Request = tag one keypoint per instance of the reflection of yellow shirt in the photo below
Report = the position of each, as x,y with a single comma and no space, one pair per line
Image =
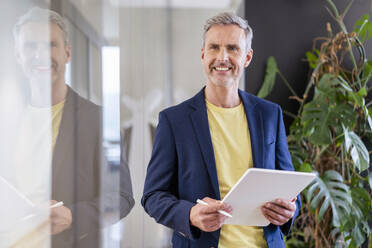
233,154
56,112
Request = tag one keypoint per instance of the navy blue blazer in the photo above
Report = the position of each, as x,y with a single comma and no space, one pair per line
183,168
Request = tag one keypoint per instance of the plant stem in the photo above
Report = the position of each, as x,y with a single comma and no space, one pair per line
286,83
289,114
308,87
343,28
324,148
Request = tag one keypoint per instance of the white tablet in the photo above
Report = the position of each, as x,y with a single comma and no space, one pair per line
258,186
15,207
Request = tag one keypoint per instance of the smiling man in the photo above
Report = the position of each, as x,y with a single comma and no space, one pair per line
70,128
205,144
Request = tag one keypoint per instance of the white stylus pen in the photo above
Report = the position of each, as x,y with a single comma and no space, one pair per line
58,204
220,211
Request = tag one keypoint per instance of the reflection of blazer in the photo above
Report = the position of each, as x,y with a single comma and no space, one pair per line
182,167
76,173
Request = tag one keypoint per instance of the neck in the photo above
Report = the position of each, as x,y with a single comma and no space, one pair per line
46,97
220,96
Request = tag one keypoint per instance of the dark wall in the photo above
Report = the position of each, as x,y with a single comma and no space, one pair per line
285,29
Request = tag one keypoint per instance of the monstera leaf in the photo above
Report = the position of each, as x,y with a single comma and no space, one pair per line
358,152
270,75
318,117
356,223
327,191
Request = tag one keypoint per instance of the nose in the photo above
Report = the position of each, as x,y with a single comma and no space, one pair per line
222,55
41,51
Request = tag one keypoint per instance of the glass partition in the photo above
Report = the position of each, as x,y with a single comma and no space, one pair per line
81,86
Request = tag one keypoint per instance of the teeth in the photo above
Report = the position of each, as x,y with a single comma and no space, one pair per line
222,68
43,67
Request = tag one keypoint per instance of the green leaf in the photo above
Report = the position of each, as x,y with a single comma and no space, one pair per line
270,75
361,200
363,27
306,167
342,115
358,100
367,72
370,180
362,92
315,121
359,152
369,121
318,116
358,237
326,87
312,59
357,221
327,191
297,155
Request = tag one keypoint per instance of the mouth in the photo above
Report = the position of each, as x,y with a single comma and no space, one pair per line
222,68
42,68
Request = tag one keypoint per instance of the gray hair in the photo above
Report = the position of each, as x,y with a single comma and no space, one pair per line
37,14
227,18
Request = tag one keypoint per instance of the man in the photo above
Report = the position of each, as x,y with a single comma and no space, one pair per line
203,145
43,50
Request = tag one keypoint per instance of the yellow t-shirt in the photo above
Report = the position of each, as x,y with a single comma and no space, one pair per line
57,111
232,150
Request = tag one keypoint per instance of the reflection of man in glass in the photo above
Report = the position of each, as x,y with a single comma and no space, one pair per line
43,51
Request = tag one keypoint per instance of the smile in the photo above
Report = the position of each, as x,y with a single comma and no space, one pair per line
221,68
42,68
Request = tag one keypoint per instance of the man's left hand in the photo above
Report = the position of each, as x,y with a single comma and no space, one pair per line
279,211
60,218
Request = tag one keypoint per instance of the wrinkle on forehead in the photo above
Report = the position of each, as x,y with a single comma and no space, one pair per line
226,35
41,31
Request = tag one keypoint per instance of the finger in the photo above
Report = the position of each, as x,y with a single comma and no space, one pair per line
277,218
227,207
211,208
279,210
271,220
286,204
213,217
294,199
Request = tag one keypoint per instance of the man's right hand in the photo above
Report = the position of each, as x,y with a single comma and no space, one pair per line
206,218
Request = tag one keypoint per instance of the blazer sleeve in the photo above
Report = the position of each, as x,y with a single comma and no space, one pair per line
160,196
283,161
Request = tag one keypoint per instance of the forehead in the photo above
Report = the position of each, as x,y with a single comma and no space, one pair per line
40,31
225,34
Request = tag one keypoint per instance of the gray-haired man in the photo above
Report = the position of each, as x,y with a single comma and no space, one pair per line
43,50
203,145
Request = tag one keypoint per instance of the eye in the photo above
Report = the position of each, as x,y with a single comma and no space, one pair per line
53,44
213,47
232,48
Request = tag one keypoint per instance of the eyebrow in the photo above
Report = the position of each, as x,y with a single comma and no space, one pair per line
233,46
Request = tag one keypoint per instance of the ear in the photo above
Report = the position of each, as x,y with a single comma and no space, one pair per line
248,58
202,53
68,53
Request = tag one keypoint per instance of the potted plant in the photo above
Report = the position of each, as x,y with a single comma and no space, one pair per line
328,136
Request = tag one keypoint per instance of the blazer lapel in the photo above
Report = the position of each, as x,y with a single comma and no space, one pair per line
199,120
63,154
255,125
